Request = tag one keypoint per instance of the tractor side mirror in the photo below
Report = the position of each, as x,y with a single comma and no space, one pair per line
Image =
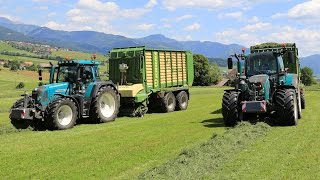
40,74
230,63
291,57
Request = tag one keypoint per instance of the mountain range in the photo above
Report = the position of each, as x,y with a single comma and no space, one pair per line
91,41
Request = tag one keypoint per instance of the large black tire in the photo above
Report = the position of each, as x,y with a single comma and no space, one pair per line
61,114
168,102
100,112
182,101
286,107
303,101
230,108
17,123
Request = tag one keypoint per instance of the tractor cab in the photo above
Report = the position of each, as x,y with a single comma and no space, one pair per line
73,76
269,63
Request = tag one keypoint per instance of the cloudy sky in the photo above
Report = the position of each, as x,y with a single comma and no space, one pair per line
244,22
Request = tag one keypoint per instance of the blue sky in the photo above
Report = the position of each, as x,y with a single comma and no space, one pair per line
245,22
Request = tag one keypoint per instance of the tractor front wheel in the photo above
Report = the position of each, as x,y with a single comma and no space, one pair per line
287,107
230,108
105,106
61,114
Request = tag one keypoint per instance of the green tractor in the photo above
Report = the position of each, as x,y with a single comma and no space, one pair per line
267,85
74,92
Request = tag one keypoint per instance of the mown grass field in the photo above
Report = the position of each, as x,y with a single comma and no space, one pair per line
129,147
121,149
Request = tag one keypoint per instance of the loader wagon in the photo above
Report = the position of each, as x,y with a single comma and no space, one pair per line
151,79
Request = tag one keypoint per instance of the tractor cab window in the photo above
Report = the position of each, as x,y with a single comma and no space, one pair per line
261,64
67,74
87,74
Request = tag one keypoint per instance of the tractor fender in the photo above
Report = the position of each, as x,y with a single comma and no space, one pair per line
291,80
100,84
75,101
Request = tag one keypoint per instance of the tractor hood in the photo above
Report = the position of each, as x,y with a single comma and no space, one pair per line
44,94
58,88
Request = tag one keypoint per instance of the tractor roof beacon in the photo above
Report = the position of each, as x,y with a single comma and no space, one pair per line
75,91
267,85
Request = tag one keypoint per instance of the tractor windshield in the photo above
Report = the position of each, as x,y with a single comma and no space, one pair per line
67,74
261,63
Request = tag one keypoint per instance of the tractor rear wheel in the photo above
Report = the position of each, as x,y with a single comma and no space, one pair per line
61,114
182,101
230,108
168,102
105,106
286,107
17,123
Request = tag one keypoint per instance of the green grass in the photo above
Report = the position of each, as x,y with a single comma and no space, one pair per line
7,47
121,149
286,153
25,59
129,147
201,161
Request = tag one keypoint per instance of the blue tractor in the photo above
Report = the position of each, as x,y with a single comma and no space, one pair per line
265,87
74,92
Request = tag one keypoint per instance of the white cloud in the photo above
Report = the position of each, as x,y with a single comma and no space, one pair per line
307,39
236,15
42,8
181,37
193,27
279,15
145,27
151,4
307,12
55,25
253,19
208,4
167,26
98,15
184,17
257,27
10,17
52,14
47,1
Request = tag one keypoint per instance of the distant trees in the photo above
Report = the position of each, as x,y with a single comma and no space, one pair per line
19,65
307,76
205,73
14,65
